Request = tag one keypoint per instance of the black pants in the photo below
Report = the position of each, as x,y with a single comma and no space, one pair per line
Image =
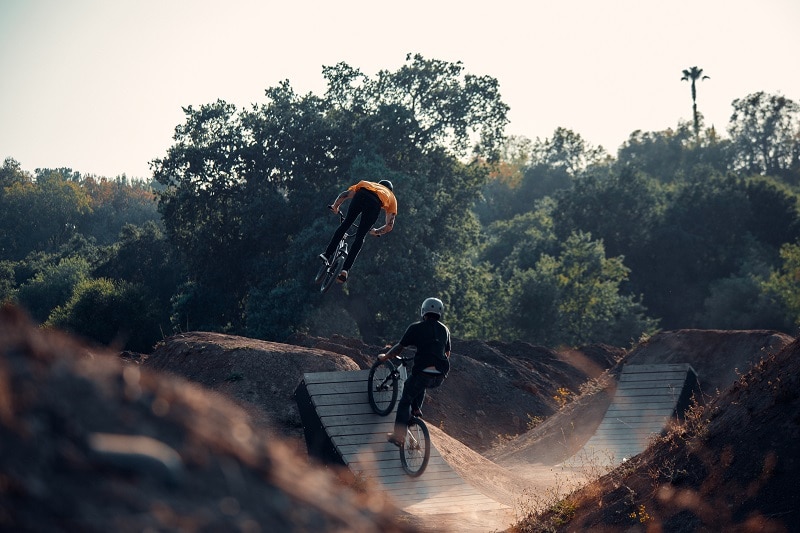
367,205
412,398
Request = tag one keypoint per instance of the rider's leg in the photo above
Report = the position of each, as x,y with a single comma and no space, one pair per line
431,381
352,213
412,388
416,403
369,215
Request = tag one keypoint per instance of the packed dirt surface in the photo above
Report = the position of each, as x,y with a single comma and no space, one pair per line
203,434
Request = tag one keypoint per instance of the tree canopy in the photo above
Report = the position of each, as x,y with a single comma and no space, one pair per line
551,241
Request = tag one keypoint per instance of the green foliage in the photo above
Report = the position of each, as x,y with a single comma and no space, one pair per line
621,209
238,187
739,302
116,203
551,166
107,312
550,240
52,287
567,151
8,286
519,242
274,312
701,237
446,104
765,133
41,215
783,285
144,258
575,298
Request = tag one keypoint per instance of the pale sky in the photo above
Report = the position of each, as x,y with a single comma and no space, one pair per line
99,85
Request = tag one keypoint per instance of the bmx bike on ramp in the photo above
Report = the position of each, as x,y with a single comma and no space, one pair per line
341,427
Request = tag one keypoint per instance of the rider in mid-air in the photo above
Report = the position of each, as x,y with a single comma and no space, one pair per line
431,364
368,200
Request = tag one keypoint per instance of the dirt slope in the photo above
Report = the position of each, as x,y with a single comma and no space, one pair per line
90,443
260,376
717,356
733,467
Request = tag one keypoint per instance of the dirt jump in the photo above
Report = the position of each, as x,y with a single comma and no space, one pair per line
204,434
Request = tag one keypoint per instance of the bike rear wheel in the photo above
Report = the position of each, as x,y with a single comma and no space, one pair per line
331,273
382,387
416,450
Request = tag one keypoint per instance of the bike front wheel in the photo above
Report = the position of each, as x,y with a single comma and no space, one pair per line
382,387
416,450
331,273
321,273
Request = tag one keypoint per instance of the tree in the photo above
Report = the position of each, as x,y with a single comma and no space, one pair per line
144,258
621,209
517,243
107,312
568,151
205,175
765,136
575,298
242,189
692,75
552,165
11,172
116,203
52,287
40,215
447,104
700,236
782,285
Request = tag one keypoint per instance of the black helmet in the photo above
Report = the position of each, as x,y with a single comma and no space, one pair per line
387,184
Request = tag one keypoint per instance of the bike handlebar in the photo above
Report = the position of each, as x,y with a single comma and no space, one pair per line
403,360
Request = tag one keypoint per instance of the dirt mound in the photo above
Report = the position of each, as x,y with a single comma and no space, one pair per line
717,356
733,466
261,376
92,443
495,390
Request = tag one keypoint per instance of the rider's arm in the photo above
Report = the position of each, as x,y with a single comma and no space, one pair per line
344,195
386,228
393,352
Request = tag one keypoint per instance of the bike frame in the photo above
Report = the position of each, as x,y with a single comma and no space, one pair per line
326,274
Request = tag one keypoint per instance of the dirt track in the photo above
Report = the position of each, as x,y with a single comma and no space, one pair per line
230,429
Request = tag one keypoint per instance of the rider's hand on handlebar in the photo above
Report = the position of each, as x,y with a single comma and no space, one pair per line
332,208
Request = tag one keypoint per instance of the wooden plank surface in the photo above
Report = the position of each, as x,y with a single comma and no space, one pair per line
644,404
359,436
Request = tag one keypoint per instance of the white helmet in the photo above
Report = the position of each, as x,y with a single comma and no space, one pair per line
432,305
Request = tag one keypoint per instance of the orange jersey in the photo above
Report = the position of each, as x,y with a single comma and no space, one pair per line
387,198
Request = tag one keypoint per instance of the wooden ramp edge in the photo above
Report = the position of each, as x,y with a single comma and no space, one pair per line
648,397
341,428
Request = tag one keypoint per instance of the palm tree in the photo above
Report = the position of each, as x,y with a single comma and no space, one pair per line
694,74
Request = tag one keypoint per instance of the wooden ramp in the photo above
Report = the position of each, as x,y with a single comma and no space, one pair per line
340,427
647,398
